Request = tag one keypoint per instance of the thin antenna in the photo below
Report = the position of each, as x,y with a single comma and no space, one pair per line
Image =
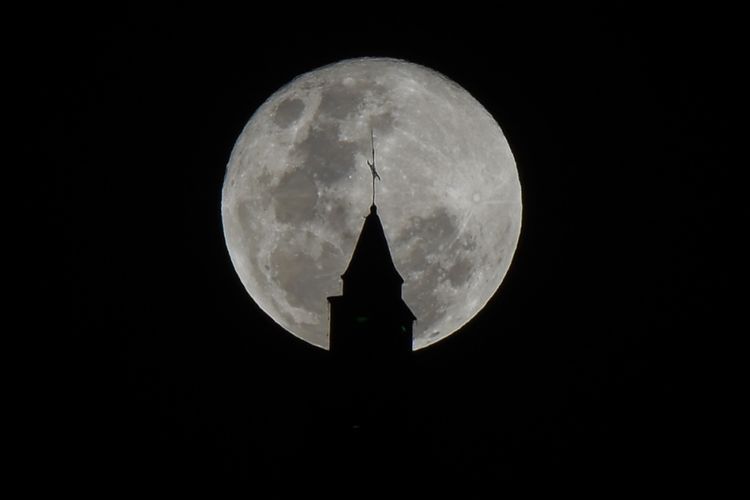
372,165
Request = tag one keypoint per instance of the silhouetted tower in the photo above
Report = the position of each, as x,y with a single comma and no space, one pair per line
370,322
370,332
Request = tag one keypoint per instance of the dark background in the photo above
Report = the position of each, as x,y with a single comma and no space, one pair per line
589,368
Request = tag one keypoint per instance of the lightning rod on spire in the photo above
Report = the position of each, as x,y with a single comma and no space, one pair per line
372,165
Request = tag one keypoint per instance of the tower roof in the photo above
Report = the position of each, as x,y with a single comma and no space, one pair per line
371,260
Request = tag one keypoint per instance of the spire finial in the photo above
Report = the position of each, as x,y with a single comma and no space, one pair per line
372,166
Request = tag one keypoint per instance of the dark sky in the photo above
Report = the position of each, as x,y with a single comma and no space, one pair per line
589,367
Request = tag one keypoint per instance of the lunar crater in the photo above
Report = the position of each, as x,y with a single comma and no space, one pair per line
339,101
288,112
460,271
324,155
295,197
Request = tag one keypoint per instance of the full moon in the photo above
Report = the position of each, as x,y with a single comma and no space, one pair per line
297,189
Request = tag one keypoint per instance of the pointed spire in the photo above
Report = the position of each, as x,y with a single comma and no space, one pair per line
371,265
370,320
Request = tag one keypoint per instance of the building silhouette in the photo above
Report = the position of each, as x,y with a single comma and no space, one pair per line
370,333
369,321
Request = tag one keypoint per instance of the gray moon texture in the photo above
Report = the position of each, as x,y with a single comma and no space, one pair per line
297,189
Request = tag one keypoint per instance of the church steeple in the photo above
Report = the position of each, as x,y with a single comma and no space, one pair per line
370,334
370,318
370,321
371,265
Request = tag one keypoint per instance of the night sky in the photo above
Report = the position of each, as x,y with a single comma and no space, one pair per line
586,370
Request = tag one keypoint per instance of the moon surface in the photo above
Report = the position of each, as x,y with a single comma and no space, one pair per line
297,189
